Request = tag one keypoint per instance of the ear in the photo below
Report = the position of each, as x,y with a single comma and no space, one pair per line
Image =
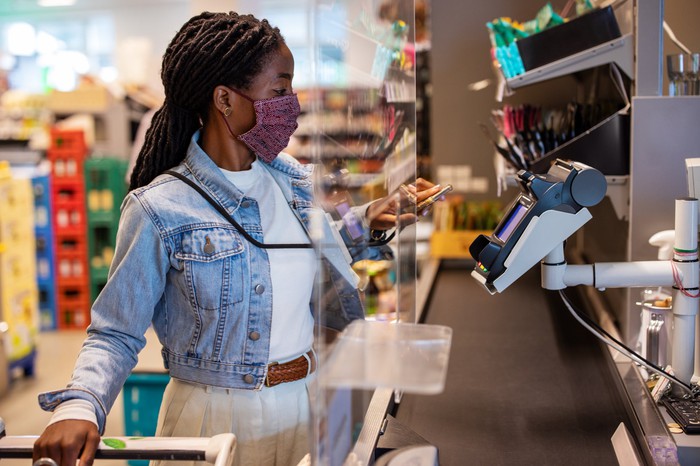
223,98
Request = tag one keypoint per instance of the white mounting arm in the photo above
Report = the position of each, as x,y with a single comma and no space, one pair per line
682,273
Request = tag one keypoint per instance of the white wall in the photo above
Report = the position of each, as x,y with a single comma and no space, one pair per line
197,6
155,23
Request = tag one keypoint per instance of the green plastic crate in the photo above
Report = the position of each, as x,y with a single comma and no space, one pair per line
105,188
143,394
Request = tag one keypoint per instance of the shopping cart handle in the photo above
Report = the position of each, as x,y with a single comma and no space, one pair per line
218,450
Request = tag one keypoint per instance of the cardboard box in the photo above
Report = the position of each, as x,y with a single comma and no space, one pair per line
87,99
453,244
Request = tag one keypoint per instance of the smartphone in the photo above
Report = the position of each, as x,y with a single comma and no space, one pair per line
351,223
424,206
408,194
341,209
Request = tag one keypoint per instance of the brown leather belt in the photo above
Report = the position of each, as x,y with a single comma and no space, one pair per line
290,371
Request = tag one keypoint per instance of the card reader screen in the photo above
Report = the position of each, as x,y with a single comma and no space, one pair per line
509,224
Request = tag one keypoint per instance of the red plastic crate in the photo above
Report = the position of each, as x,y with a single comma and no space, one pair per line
71,264
64,139
65,168
71,269
69,195
70,243
69,213
67,154
73,314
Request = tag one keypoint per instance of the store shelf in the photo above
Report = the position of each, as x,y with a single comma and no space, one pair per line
619,51
357,180
21,156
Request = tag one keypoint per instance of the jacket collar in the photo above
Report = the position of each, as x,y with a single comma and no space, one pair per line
282,168
208,174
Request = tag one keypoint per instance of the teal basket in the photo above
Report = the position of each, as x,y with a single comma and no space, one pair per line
143,394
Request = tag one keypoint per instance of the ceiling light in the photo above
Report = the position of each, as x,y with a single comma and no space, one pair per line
50,3
21,39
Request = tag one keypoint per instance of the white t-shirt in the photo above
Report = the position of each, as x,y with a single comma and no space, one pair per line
292,270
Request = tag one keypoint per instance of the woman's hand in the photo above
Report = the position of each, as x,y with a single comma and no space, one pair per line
67,441
385,213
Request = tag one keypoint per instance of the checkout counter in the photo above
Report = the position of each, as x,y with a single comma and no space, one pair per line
526,382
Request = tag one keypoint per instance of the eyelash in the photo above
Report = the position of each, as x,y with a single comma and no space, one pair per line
280,91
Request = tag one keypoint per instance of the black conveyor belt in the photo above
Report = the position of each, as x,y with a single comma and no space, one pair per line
526,384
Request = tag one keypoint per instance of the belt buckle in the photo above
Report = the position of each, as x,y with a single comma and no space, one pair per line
267,376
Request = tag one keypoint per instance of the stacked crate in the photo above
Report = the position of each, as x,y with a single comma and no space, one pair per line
67,153
18,288
45,258
106,188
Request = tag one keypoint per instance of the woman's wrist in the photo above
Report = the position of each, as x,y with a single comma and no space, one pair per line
76,409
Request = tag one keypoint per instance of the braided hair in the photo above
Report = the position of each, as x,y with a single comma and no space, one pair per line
210,49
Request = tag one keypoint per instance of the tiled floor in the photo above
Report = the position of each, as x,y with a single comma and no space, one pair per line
56,352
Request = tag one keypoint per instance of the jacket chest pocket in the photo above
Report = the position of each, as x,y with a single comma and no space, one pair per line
213,262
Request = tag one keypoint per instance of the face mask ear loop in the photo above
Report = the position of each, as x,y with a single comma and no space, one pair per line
227,112
241,94
223,117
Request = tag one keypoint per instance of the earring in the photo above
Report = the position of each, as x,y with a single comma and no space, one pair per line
227,111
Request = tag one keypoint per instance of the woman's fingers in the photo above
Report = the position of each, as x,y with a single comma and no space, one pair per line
423,184
66,441
92,441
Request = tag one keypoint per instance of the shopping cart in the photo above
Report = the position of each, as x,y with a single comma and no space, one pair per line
218,450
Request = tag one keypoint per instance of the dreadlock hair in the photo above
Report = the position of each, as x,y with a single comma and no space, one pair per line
210,49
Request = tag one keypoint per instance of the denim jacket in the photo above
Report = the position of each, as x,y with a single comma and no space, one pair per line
180,266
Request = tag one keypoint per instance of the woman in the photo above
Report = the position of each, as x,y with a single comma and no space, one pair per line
238,354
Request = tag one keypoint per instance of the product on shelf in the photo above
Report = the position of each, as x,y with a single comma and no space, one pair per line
19,312
520,47
457,223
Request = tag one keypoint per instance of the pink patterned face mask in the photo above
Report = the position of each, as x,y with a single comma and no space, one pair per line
275,122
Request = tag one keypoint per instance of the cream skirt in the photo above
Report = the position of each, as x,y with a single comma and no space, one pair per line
271,425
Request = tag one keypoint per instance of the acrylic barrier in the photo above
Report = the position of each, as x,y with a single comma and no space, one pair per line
412,358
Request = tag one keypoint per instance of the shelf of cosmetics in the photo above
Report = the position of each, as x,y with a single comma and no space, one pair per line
22,115
558,43
530,137
357,99
351,123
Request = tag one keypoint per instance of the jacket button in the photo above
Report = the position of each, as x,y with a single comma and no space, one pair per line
255,336
208,247
248,378
259,289
245,204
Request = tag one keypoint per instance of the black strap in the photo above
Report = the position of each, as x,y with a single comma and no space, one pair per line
235,224
380,237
